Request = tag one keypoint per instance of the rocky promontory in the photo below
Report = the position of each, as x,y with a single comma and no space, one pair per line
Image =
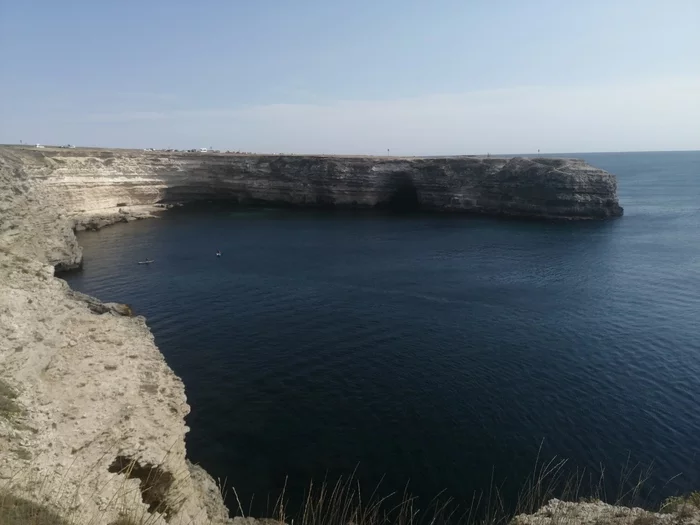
55,190
532,187
91,417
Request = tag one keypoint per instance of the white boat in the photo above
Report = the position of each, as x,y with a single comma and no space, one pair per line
148,261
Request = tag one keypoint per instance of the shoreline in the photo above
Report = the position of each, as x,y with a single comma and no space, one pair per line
90,410
93,406
546,188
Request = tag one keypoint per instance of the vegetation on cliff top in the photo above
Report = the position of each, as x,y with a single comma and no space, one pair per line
549,497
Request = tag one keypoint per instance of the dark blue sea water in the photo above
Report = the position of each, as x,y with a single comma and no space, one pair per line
440,350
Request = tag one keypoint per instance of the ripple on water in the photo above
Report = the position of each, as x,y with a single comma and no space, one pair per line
435,349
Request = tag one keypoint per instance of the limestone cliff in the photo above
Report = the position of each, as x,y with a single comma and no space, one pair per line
98,426
91,417
541,187
61,186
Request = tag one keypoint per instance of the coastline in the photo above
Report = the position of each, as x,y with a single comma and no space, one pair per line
83,180
91,412
95,408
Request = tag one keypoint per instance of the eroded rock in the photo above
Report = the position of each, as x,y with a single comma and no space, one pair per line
76,402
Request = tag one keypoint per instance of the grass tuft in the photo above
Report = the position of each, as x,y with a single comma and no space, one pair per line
344,503
19,511
683,506
545,494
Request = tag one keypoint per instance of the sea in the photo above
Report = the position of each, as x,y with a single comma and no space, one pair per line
426,353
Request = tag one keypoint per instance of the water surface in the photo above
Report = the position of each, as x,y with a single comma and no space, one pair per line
443,350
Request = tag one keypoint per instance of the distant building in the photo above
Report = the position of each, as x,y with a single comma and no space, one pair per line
202,150
39,146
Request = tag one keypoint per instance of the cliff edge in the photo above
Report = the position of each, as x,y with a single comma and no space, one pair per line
533,187
55,189
91,417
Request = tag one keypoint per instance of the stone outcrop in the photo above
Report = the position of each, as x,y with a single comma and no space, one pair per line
100,415
91,417
557,512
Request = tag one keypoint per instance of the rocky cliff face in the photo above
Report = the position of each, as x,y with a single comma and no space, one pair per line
552,188
97,422
91,416
52,188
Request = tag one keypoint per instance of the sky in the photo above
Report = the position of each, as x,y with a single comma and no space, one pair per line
416,77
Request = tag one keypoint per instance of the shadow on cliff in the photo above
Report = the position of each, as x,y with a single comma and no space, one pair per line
402,195
397,194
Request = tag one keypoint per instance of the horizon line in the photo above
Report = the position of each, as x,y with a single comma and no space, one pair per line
310,154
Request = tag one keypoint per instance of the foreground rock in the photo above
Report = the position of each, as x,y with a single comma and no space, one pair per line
91,417
558,512
99,427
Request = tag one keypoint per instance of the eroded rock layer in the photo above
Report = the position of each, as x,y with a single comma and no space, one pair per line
86,179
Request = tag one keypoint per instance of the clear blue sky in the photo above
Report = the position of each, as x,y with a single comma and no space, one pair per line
415,76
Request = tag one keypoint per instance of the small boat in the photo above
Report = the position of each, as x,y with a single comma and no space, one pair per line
218,253
148,261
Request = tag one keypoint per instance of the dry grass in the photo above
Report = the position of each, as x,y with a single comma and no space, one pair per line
135,494
343,502
19,511
683,506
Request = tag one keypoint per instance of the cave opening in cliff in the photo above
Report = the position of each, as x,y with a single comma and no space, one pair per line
403,196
